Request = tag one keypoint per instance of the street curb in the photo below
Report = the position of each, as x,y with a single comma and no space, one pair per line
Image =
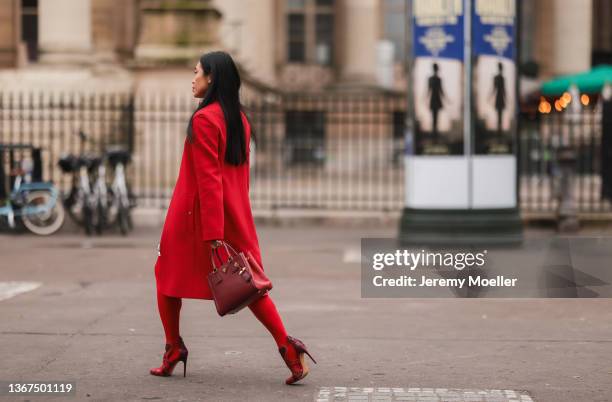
153,218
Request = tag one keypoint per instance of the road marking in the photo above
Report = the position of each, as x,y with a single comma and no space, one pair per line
392,394
13,288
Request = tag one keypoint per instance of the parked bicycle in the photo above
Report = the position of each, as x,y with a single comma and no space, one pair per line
92,203
121,199
80,202
35,204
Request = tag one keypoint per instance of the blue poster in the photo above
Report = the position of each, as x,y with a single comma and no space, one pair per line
494,75
438,33
493,28
437,89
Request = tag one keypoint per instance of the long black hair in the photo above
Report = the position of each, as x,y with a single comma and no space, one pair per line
225,88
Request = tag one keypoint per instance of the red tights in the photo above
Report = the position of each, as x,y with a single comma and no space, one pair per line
263,308
170,312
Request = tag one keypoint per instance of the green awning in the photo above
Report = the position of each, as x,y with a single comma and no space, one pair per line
587,82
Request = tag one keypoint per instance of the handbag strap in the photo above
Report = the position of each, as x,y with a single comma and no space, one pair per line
216,252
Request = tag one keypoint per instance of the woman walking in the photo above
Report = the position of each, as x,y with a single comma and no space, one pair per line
210,204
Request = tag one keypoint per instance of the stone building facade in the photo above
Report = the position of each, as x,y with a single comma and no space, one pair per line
290,44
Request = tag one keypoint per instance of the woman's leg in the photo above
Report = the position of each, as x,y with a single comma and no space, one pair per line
169,311
175,351
265,311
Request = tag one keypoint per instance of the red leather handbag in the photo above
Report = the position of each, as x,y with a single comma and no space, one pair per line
236,283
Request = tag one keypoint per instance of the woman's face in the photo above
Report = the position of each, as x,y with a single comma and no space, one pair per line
200,82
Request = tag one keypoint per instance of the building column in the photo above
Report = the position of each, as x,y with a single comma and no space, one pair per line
564,36
65,35
360,32
9,33
573,30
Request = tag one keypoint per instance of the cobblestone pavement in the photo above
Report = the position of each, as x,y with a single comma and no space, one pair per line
380,394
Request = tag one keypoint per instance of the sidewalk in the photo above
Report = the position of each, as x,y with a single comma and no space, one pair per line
94,320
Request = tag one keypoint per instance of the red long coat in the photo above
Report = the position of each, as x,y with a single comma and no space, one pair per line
210,201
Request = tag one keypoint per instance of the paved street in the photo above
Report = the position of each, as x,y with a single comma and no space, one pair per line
85,311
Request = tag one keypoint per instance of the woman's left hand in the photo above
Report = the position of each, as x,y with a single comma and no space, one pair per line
215,243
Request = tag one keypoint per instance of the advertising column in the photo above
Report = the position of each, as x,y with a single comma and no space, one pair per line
438,164
494,104
460,162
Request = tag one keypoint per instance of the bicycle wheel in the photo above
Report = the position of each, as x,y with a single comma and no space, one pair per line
123,218
88,219
45,222
100,218
73,206
112,209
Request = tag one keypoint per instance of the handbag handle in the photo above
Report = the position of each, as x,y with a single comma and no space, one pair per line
225,244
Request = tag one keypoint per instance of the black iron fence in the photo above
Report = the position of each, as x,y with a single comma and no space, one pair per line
335,152
51,122
328,151
542,142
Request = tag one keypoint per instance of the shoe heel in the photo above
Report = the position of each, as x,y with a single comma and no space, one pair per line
184,359
305,351
300,347
168,366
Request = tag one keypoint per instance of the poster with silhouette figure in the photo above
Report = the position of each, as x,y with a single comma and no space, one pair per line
437,77
493,76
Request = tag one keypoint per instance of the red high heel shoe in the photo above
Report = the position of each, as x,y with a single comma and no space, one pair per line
299,368
174,353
